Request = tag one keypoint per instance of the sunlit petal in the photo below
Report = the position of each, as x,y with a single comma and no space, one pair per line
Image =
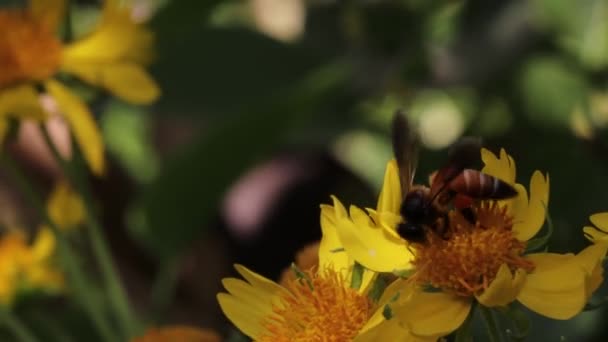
369,246
390,196
331,253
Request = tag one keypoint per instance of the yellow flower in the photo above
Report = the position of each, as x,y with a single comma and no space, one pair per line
178,333
484,261
27,268
111,57
65,207
598,232
321,305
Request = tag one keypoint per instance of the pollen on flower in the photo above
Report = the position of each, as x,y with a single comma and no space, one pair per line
29,50
467,260
320,308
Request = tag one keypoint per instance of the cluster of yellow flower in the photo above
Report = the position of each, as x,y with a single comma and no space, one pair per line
33,60
40,65
372,285
28,268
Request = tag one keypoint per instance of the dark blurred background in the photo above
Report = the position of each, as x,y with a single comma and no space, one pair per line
271,106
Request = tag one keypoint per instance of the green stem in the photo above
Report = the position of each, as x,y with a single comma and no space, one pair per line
68,259
14,324
490,323
114,288
163,290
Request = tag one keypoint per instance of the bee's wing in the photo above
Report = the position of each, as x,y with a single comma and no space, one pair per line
463,154
405,148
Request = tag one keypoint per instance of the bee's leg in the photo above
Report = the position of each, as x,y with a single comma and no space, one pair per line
468,214
442,226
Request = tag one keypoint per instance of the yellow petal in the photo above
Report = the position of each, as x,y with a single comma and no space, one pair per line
65,207
600,220
245,318
504,288
116,38
248,303
591,259
390,195
255,299
44,245
390,330
557,286
367,280
82,124
268,286
594,235
377,327
429,314
21,102
331,253
503,167
126,80
49,12
44,277
388,221
370,245
527,221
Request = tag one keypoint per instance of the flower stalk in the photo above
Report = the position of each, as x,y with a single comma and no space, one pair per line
16,326
113,287
68,258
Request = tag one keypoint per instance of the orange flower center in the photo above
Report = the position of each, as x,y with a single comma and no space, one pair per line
29,50
320,308
467,260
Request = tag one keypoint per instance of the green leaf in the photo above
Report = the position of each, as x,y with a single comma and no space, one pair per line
357,277
465,331
378,288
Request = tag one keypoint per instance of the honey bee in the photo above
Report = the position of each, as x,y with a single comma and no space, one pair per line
455,185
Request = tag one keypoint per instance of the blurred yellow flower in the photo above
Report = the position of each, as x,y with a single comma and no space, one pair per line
26,267
484,261
178,333
112,57
326,303
65,207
